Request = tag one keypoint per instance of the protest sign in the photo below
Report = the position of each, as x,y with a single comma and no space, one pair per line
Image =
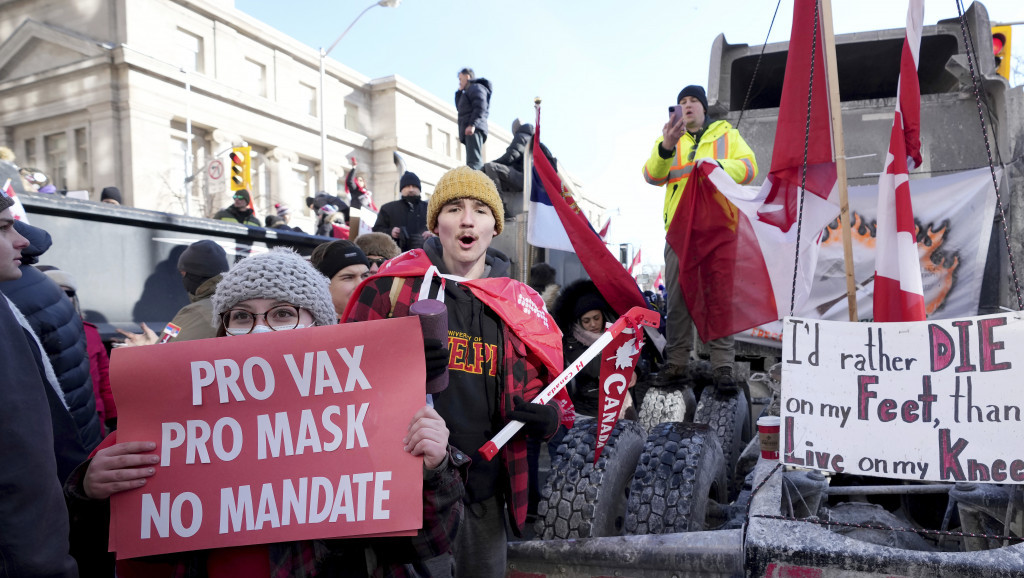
928,400
272,437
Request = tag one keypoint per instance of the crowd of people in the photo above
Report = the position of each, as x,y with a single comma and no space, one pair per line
60,420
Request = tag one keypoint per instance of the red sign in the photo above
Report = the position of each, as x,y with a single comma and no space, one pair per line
272,437
618,362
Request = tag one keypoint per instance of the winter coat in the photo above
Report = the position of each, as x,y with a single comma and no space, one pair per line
523,139
473,103
410,217
719,141
33,517
59,328
194,318
530,347
233,214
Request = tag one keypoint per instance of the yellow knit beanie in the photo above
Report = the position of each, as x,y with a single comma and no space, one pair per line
465,183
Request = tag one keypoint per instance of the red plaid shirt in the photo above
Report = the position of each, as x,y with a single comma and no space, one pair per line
524,375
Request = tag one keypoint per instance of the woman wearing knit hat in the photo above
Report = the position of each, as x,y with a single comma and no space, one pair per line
281,291
504,349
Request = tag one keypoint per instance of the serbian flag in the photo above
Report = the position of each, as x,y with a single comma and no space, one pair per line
738,246
616,286
899,293
17,209
636,261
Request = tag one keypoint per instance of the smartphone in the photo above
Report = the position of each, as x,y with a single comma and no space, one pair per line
675,113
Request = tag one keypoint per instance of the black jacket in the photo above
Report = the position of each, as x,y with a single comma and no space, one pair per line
523,138
244,216
411,218
473,104
58,326
33,516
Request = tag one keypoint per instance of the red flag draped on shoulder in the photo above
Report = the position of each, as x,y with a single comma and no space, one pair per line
616,286
899,293
737,246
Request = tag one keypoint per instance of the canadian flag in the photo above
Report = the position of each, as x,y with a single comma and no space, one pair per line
899,293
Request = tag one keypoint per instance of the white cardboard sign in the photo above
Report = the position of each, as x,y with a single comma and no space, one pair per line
933,400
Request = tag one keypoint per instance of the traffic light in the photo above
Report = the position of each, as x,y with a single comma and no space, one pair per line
240,168
1001,50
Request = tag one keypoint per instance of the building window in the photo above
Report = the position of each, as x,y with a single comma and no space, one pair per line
57,159
351,117
254,77
430,136
82,159
446,143
307,99
190,48
30,153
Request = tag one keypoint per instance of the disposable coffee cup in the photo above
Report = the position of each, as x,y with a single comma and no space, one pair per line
768,435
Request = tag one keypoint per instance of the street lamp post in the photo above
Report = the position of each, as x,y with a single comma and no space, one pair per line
320,99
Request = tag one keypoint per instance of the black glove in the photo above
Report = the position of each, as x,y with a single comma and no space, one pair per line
436,355
541,419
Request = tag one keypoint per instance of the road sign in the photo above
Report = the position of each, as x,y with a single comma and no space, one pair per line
216,170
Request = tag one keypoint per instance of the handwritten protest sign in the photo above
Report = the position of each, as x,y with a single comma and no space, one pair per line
932,400
274,437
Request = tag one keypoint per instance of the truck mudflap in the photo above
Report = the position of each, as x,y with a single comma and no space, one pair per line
709,554
790,549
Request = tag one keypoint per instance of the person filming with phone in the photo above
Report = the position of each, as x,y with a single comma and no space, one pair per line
686,140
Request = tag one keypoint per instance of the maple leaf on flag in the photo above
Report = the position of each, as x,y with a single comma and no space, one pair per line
624,354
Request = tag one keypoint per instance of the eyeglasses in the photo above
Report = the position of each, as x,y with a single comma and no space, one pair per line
277,318
240,198
377,262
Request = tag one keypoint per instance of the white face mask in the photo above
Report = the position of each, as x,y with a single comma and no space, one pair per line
259,329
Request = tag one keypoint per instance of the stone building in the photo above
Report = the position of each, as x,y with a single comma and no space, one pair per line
107,92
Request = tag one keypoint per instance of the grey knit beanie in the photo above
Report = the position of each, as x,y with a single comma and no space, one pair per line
279,274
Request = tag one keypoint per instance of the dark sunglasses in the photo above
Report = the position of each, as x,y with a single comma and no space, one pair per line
377,262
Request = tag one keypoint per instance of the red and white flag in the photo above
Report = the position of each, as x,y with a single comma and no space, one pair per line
899,293
635,263
17,210
737,245
604,230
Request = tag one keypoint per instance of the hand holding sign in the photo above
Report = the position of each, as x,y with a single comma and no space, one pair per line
120,467
427,437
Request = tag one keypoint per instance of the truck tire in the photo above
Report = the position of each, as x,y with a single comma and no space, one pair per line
581,500
728,415
662,404
679,481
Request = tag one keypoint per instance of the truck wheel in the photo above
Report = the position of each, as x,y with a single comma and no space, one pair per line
678,483
728,415
581,500
662,404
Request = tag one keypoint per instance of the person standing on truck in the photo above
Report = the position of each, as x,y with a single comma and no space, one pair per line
473,100
507,170
686,139
504,349
405,219
239,211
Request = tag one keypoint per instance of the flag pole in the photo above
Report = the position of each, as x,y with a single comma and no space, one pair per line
835,109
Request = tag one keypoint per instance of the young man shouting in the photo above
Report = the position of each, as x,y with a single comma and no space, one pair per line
503,349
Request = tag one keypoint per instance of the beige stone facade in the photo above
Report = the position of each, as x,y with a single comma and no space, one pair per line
100,92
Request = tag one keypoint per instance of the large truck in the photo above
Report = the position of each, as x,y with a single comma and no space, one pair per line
684,492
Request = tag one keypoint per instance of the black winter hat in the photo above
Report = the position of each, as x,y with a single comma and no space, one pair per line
204,259
589,302
409,178
696,92
243,194
112,193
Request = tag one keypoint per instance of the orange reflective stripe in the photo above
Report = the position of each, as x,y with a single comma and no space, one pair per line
652,180
722,147
749,174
